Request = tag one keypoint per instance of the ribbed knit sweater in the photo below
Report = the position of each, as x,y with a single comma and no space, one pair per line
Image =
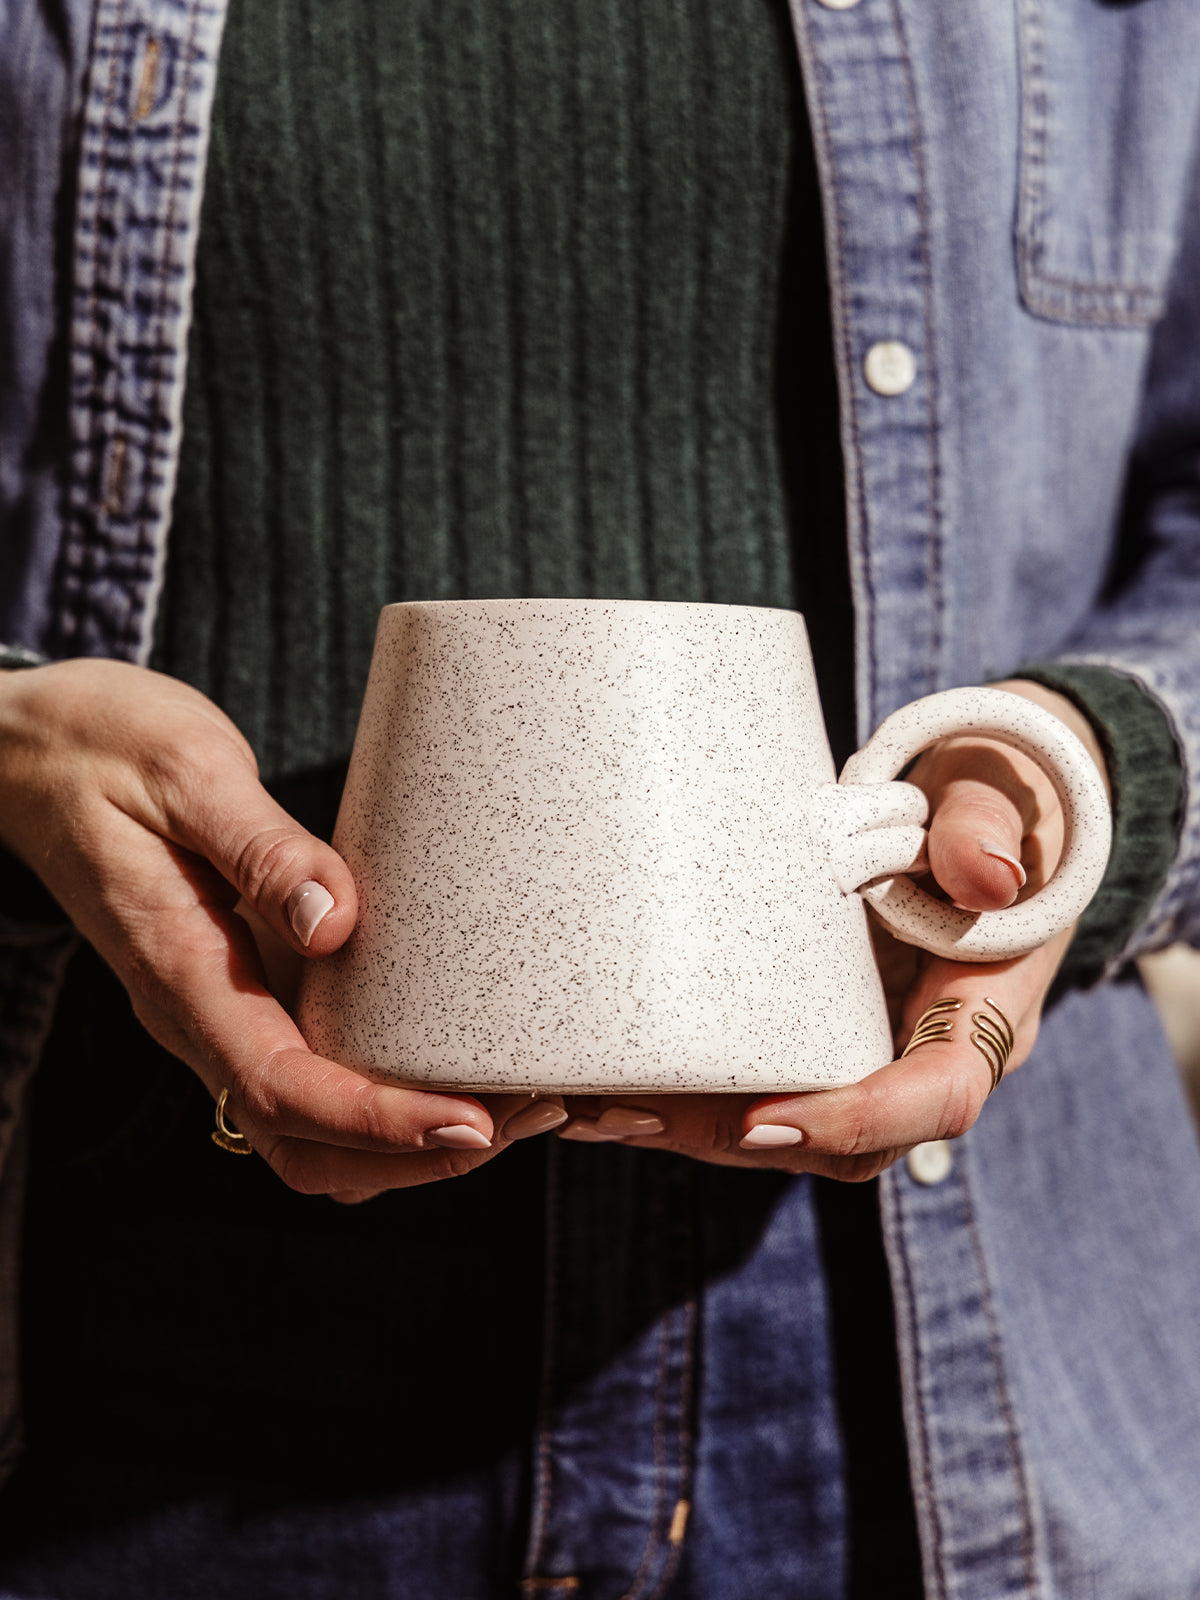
524,297
488,304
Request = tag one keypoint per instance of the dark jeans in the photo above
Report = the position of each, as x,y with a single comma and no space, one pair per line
457,1392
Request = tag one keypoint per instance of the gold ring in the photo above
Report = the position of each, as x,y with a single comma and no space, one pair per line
229,1138
994,1040
932,1025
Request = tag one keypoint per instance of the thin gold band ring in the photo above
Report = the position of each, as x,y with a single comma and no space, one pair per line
226,1137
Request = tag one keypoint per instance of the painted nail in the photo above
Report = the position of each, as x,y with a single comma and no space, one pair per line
459,1136
627,1123
587,1131
308,906
990,849
771,1136
539,1117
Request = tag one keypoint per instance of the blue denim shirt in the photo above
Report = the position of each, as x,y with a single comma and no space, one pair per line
1010,190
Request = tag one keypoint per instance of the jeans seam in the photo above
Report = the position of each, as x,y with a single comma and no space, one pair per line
687,1370
73,559
543,1467
653,1538
1007,1409
932,1516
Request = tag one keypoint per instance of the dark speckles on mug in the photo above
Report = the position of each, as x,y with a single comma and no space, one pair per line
599,847
586,861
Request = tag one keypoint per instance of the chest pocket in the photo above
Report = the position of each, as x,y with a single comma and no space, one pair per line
1110,91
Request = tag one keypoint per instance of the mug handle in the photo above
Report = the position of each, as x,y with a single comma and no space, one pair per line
915,916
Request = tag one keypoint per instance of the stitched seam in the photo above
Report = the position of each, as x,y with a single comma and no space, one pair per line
1007,1411
1031,204
73,562
1135,291
539,1520
931,1503
675,1554
835,248
933,474
654,1537
163,307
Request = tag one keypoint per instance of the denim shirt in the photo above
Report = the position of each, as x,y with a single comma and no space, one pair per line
1013,222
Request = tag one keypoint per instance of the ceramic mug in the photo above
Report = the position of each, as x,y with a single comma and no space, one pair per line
599,846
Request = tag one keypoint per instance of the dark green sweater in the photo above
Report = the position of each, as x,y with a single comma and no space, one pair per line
489,303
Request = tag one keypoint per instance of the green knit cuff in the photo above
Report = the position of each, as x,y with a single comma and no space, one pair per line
16,655
1146,775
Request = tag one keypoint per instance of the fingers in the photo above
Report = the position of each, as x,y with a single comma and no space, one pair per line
297,884
90,738
313,1167
139,802
938,1090
996,824
975,846
935,1092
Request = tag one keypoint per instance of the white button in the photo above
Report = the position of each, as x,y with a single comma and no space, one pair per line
930,1163
838,5
890,367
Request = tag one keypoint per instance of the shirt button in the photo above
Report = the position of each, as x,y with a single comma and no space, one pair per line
838,5
930,1163
890,367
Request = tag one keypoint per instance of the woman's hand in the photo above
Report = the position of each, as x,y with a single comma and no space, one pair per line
137,802
996,833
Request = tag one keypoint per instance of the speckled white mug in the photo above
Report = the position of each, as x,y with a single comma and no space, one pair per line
599,846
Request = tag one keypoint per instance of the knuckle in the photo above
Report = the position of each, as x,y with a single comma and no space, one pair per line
255,1098
369,1120
458,1163
724,1139
854,1139
960,1109
863,1168
268,856
301,1169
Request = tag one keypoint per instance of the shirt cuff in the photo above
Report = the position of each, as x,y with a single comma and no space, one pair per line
1146,774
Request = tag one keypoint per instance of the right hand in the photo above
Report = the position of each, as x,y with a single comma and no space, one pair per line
137,802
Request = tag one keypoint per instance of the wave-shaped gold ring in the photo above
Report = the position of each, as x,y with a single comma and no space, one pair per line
994,1040
933,1024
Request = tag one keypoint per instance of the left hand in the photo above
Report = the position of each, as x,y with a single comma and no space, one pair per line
991,808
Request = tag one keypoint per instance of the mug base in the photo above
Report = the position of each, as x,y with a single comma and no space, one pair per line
576,1087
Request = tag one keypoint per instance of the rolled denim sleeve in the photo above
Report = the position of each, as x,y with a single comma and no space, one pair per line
1146,626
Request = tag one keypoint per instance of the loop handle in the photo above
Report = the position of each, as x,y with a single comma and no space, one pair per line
917,917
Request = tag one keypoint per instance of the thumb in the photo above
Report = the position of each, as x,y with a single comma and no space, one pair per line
294,882
975,846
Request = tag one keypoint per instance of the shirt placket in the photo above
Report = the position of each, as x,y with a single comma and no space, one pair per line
141,176
970,1481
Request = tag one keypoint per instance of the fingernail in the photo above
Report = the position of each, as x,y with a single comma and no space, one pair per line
309,905
459,1136
771,1136
586,1130
990,849
626,1123
536,1118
